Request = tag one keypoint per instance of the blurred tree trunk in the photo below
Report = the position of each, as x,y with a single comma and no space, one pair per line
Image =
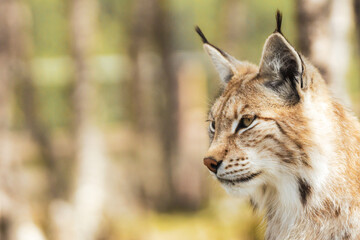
26,95
356,6
40,132
140,103
312,21
155,106
145,96
14,66
90,157
7,218
233,19
167,104
357,22
323,37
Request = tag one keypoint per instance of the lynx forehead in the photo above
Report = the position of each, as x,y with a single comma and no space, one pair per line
280,139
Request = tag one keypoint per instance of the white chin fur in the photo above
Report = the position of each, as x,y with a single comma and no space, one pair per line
244,189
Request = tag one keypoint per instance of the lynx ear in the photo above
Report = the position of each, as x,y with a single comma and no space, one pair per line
224,64
282,65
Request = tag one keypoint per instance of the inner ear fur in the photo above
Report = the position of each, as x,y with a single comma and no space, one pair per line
283,68
225,64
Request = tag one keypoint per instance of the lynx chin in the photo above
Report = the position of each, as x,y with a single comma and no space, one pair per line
279,138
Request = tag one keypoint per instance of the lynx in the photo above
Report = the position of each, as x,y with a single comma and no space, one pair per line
280,139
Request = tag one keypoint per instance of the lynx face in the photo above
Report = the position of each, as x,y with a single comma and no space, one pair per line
258,126
251,137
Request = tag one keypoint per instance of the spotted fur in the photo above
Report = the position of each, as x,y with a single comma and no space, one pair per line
299,159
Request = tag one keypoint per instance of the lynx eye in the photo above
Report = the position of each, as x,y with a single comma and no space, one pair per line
212,127
245,122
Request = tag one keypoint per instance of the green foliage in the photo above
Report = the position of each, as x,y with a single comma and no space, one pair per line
50,27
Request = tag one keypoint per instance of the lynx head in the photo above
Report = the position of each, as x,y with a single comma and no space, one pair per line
259,126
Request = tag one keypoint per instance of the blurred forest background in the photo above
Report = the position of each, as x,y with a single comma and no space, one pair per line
103,106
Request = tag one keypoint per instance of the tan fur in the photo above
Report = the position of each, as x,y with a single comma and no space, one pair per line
307,155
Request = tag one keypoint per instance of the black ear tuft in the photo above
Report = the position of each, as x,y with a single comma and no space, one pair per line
278,17
201,34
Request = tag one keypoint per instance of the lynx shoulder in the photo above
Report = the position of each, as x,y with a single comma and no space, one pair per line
280,139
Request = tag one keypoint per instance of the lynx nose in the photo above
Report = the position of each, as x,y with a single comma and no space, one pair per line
212,164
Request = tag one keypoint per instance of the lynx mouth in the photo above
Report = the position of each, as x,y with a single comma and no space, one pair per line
239,180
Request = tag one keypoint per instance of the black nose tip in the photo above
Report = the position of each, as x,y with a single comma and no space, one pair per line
212,164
